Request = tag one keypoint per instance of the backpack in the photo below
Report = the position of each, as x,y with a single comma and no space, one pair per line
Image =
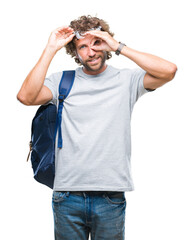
45,125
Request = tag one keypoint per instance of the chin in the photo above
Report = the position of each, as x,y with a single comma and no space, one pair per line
96,67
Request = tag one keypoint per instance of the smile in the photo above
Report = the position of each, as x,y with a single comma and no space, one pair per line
94,60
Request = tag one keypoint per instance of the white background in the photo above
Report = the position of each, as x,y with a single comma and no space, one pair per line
161,207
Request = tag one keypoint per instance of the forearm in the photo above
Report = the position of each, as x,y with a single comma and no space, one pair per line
33,83
155,66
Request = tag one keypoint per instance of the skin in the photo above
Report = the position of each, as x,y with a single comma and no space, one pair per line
158,70
33,91
94,62
91,51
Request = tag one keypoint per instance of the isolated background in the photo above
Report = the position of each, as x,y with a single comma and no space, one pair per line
161,207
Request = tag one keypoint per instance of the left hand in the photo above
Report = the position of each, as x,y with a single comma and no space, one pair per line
104,41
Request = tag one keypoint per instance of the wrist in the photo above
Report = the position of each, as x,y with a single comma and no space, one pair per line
50,50
116,45
120,47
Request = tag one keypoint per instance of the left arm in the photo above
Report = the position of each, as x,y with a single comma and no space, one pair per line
158,70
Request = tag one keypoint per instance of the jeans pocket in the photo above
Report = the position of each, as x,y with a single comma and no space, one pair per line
59,196
115,197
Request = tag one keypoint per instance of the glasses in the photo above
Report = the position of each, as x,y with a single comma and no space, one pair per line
80,35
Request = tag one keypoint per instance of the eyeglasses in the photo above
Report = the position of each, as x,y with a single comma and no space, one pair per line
80,35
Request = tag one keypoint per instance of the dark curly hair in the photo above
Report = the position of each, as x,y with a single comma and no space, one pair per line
83,24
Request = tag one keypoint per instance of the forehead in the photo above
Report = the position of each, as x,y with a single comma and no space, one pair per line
86,40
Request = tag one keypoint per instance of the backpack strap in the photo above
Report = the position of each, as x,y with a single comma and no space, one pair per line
65,86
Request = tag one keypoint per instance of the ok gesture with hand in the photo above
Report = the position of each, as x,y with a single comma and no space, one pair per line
105,43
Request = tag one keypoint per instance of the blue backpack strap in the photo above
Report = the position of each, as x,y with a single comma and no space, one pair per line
65,86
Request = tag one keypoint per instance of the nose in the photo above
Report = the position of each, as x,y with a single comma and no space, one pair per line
91,52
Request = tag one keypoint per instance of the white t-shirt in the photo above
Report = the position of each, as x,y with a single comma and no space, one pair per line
96,130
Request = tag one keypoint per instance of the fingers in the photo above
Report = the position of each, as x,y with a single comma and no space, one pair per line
100,47
70,37
63,31
96,33
108,42
97,48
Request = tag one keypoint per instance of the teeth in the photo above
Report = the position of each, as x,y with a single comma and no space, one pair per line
93,60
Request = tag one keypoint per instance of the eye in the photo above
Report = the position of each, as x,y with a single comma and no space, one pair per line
97,42
83,46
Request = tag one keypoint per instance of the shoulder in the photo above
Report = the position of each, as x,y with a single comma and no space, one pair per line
55,75
129,72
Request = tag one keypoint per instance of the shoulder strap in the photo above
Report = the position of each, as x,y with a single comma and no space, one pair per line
65,86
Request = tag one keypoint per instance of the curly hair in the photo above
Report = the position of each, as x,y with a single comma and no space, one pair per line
83,24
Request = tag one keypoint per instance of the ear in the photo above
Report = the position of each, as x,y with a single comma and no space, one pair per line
76,55
77,58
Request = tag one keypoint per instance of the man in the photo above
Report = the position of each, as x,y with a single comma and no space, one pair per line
93,167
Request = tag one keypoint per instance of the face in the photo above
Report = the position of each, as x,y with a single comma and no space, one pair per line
93,61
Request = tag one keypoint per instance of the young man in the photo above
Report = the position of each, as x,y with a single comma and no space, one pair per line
93,167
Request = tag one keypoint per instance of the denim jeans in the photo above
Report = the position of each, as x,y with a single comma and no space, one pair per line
78,214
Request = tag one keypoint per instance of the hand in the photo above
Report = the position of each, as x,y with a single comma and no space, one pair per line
60,38
104,41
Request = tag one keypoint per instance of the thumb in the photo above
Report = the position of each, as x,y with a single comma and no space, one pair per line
96,48
99,48
70,37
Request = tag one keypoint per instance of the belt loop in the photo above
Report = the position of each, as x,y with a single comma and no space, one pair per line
67,194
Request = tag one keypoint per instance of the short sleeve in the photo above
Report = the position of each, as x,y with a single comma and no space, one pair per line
136,85
52,82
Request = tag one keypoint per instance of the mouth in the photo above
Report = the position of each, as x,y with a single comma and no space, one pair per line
94,60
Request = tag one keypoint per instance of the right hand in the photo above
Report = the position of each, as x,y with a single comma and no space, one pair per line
60,38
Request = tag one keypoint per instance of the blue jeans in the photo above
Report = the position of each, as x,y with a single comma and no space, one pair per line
78,214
